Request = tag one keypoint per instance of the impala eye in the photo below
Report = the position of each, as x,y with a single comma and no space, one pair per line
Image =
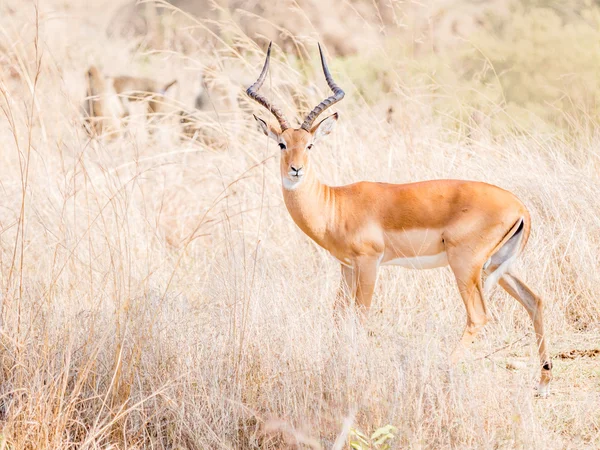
282,146
309,146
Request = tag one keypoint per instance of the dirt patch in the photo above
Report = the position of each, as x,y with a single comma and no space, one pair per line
574,354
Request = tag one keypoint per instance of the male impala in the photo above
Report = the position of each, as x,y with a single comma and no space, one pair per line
475,228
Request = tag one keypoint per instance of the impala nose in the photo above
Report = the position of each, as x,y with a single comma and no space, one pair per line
296,172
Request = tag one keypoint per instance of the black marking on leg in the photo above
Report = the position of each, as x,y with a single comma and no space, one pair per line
547,365
521,225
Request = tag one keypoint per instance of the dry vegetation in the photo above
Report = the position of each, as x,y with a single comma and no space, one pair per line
155,293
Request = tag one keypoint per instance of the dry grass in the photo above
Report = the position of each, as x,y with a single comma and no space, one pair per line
156,294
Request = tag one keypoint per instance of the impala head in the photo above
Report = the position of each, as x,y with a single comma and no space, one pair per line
296,143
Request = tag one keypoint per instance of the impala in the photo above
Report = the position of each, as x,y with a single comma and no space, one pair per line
475,228
134,89
109,98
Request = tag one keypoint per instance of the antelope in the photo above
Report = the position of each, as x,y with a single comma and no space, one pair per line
138,89
108,99
475,228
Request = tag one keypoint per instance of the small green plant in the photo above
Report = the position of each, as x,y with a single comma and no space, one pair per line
379,440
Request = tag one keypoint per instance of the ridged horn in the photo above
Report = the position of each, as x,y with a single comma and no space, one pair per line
338,94
253,94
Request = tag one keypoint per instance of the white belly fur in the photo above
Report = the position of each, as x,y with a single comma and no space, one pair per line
420,262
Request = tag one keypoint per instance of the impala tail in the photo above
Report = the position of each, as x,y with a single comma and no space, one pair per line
506,252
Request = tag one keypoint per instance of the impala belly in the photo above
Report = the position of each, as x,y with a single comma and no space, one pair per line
419,262
415,249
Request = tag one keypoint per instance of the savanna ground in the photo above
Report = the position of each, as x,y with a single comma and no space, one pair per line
156,294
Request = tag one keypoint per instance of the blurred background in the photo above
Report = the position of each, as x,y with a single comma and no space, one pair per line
493,65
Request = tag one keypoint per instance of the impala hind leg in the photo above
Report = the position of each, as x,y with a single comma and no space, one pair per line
468,279
534,306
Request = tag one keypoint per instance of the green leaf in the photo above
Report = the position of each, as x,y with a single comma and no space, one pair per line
388,429
358,433
361,437
383,439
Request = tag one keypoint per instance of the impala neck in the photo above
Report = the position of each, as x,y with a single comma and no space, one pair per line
311,206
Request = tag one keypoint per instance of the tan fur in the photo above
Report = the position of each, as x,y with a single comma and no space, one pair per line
130,88
96,87
102,112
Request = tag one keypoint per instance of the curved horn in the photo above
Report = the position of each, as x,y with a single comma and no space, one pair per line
251,91
338,94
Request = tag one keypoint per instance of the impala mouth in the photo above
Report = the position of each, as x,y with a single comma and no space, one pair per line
293,180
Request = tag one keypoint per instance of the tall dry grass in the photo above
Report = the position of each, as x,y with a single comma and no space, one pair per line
156,294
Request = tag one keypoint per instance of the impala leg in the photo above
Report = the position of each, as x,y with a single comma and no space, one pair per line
125,103
468,280
534,306
347,289
365,276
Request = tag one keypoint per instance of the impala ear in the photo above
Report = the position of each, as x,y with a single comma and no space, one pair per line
324,127
267,129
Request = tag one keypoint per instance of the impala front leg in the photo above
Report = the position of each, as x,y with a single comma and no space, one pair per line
365,276
347,289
